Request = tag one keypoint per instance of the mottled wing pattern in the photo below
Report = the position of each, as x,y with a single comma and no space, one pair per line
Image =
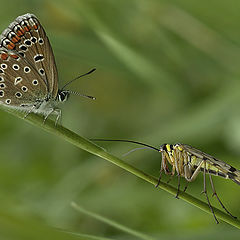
20,85
27,38
225,168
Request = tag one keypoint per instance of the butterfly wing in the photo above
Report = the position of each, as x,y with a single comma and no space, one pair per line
27,39
20,83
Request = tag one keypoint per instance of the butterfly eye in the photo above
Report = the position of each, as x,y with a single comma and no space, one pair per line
63,96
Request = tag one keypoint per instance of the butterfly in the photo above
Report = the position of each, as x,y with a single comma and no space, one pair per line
28,72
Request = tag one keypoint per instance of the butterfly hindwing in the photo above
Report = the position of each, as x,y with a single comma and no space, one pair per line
20,84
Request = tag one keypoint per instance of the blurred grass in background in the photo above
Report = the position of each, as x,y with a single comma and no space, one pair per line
167,71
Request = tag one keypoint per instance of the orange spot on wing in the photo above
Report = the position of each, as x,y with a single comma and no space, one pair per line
35,26
11,46
14,56
4,56
15,39
20,32
26,28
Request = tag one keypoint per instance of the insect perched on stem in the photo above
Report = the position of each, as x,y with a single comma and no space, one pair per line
188,162
28,72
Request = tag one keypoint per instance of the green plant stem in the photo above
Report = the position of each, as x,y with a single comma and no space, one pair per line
112,223
91,147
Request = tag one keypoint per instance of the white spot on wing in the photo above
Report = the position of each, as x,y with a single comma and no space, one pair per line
24,88
3,66
8,101
17,80
15,67
35,82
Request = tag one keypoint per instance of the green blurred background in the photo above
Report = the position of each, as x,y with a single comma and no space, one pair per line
167,71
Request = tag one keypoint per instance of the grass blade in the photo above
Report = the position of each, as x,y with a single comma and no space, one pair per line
91,147
112,223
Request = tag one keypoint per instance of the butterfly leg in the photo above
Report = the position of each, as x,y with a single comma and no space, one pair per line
29,111
215,194
59,114
47,115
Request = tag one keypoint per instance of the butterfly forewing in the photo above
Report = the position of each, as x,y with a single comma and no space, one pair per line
27,38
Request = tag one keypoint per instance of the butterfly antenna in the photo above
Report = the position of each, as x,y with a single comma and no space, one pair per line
82,95
123,140
85,74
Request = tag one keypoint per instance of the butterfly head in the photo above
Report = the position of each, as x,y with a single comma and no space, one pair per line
63,95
